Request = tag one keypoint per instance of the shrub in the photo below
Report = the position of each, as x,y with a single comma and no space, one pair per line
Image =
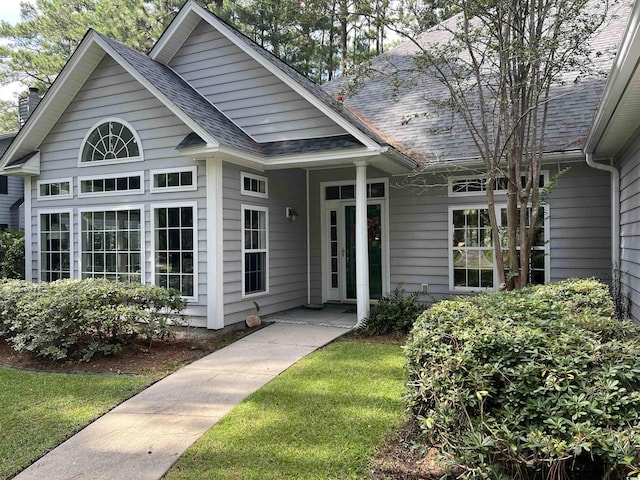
80,318
534,384
12,254
395,313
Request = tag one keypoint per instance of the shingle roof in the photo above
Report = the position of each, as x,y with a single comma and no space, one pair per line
289,147
22,160
185,97
5,141
444,136
214,122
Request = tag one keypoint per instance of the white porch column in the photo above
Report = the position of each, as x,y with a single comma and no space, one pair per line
28,243
215,264
362,242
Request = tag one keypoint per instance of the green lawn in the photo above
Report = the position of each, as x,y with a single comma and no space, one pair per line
40,410
323,418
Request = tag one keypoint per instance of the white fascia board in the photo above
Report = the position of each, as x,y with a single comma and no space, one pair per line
49,98
159,95
336,157
158,52
191,6
259,162
624,65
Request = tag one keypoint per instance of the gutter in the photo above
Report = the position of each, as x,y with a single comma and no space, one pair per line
615,207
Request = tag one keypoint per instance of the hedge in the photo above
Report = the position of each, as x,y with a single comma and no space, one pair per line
77,319
535,384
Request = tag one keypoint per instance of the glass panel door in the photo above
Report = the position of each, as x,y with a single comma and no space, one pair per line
374,234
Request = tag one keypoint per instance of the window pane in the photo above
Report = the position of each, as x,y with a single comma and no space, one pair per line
160,180
332,193
186,178
347,192
173,180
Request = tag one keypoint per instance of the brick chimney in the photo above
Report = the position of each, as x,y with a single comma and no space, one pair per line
27,104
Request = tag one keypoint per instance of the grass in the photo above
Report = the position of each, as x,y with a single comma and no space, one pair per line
323,419
40,410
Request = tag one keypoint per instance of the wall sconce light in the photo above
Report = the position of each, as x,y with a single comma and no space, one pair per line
291,214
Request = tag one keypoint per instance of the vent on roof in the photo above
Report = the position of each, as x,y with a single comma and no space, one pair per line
27,104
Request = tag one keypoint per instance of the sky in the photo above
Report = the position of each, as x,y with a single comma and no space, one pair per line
10,12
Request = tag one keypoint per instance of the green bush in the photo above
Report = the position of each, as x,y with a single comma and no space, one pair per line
77,319
395,313
12,254
535,384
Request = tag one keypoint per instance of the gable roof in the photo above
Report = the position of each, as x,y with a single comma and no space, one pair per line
188,18
211,127
618,116
444,137
187,99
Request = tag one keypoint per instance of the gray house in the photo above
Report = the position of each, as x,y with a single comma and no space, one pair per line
12,187
212,167
613,145
11,192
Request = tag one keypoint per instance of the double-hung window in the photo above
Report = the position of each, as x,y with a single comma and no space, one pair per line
175,241
112,244
255,260
55,245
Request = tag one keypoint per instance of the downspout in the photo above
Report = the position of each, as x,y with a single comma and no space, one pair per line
615,207
308,245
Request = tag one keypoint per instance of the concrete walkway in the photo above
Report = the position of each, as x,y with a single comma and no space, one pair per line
141,438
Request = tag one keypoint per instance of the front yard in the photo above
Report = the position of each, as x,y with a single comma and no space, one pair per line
323,418
40,410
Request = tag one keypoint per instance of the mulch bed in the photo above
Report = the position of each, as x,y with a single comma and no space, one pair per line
139,357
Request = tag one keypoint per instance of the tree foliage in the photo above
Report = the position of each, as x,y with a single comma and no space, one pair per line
318,38
8,116
501,66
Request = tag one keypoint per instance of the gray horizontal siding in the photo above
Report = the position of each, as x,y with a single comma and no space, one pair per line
629,166
247,93
15,191
111,91
287,244
579,229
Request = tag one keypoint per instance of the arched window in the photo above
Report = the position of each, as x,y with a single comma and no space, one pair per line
112,140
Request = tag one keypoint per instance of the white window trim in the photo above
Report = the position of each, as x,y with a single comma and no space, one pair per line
243,208
251,193
138,191
498,207
115,208
386,251
453,178
194,205
46,198
40,211
340,183
181,188
139,158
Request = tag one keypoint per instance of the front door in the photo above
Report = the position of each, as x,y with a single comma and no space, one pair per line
374,234
341,250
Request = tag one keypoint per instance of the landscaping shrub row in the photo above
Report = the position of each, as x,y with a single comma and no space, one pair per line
534,384
77,319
